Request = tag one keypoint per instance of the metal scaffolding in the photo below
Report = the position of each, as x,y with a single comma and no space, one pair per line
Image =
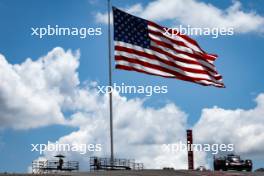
51,166
97,163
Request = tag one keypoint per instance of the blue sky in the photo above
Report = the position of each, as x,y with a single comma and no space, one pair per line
240,62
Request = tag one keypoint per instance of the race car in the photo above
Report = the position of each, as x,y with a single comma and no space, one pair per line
232,162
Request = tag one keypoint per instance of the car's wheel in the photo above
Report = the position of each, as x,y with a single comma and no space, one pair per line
249,170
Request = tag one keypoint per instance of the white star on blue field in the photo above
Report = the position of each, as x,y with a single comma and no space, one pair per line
240,62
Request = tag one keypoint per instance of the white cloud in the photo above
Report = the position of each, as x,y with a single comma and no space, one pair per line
32,93
103,17
197,14
35,93
139,131
92,2
243,128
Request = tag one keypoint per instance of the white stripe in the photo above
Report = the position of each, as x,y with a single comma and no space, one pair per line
146,69
166,58
164,40
182,64
157,72
152,52
177,38
157,63
208,83
184,56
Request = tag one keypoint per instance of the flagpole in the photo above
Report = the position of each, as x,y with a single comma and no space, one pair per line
110,84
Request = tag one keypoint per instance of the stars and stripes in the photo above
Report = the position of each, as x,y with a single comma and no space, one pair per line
146,47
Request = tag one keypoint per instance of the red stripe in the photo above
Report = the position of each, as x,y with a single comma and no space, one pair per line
154,57
149,65
211,57
180,35
124,67
196,55
173,41
181,59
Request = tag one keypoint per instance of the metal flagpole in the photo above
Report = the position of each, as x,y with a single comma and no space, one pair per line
110,84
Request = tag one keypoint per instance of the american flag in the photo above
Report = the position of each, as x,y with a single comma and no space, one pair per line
146,47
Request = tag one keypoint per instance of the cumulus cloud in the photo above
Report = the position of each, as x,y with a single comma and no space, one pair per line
33,93
243,128
103,17
36,93
139,132
197,14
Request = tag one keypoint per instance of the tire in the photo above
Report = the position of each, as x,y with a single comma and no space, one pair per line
249,169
